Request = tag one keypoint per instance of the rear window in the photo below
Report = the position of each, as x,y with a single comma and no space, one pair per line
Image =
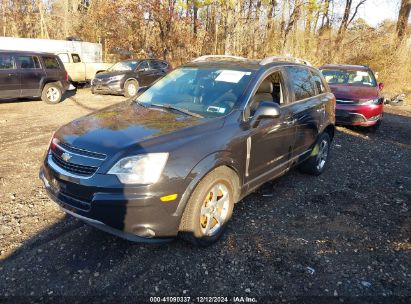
51,63
302,82
6,62
28,62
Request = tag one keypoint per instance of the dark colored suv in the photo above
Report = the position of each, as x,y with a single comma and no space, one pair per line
32,74
127,77
359,98
177,158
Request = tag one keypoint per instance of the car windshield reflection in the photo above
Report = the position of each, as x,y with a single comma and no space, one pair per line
209,92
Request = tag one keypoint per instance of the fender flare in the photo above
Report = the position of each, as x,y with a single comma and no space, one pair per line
201,169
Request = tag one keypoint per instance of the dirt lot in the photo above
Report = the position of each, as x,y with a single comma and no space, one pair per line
343,236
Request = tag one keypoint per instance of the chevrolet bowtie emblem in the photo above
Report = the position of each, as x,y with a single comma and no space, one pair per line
65,156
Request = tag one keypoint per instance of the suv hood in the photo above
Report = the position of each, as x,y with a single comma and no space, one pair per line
107,74
355,93
121,126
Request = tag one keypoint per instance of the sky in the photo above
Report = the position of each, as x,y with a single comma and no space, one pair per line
375,11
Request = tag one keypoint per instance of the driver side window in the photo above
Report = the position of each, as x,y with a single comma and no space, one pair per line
271,90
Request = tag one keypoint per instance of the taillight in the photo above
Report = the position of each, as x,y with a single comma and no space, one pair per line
67,76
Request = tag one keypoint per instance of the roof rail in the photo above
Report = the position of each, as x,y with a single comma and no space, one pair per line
270,59
207,57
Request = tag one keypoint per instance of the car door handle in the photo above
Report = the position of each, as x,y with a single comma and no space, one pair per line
9,75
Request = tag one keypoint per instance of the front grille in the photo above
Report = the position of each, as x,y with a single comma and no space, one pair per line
81,151
73,168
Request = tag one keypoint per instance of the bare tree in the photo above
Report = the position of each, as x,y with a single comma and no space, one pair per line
403,16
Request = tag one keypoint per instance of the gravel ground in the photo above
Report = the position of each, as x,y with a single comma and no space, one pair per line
340,237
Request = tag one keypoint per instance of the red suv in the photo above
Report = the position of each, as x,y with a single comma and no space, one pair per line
359,98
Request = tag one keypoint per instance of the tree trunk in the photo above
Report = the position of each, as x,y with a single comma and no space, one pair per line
403,17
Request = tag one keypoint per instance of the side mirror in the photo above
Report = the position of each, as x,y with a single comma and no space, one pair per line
381,86
266,109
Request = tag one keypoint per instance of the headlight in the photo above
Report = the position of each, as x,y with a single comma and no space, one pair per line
140,169
372,102
115,78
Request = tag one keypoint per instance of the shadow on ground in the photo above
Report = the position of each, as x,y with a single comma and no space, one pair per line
344,235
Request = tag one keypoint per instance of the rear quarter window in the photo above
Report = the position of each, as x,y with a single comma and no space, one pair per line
302,82
51,63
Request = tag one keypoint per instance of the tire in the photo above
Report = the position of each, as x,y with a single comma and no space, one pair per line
319,157
131,88
52,93
203,223
375,127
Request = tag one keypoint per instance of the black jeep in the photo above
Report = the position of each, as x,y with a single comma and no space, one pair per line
32,74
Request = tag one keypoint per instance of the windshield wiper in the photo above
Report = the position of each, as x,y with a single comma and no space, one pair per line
171,107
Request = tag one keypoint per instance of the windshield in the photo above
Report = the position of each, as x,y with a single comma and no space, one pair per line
346,77
210,92
124,66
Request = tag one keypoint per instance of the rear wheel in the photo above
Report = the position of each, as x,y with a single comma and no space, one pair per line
210,207
51,93
318,160
131,88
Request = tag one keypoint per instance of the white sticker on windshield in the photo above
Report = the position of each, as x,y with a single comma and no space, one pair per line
215,109
230,76
361,73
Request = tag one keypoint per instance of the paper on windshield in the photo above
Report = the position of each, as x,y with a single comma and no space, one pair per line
361,73
230,76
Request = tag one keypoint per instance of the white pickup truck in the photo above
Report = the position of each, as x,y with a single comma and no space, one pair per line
79,71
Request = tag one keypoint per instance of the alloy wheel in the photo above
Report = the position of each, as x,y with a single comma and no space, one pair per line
214,210
132,89
53,94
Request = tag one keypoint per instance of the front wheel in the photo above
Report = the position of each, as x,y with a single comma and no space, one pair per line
318,159
131,88
51,93
210,207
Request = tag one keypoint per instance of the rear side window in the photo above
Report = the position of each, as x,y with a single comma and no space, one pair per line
28,62
51,63
158,65
76,58
302,82
318,81
6,62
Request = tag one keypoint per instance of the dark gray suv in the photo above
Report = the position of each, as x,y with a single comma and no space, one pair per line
177,158
32,74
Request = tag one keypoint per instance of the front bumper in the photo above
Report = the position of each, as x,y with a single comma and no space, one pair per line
358,115
106,87
101,201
